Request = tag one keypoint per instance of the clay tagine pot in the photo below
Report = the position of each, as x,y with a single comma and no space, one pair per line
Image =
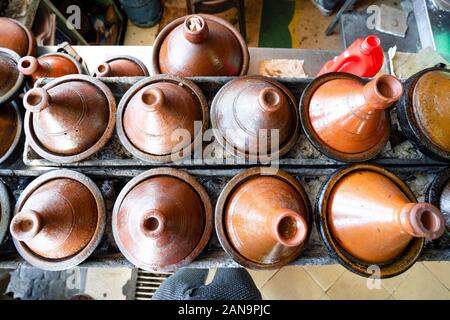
59,220
246,110
347,119
424,113
15,36
153,109
263,219
5,212
368,216
439,195
11,79
162,219
200,45
121,66
50,65
70,118
10,129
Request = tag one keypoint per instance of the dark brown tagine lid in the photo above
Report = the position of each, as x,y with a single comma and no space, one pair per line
162,219
387,229
121,66
346,118
51,65
427,108
10,129
5,211
263,218
200,45
59,220
244,112
70,118
12,79
153,110
15,36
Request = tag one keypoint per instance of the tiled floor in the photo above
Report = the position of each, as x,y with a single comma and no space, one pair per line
425,280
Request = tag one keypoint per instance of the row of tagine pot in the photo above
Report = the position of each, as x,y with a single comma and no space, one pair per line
343,116
163,219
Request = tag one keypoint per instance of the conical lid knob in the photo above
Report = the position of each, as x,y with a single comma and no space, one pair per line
15,36
200,45
57,220
255,116
345,118
162,219
263,221
374,220
71,116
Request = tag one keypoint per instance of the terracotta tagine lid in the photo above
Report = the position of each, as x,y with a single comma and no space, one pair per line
10,129
153,110
59,220
121,66
200,45
12,79
5,211
246,110
388,227
70,118
51,65
439,195
347,119
263,218
425,112
15,36
162,219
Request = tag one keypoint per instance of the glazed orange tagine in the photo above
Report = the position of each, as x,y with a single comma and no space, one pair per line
347,119
15,36
368,216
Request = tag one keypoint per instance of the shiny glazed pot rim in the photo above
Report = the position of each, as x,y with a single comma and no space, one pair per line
53,157
5,212
126,57
234,151
20,78
179,21
69,262
387,270
222,202
190,85
16,140
408,121
193,183
314,138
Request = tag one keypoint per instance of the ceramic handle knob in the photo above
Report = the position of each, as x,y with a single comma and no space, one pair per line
195,29
152,99
270,99
152,224
423,220
28,65
36,100
290,228
383,91
26,225
103,70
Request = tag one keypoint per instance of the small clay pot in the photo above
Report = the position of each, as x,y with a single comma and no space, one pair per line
70,118
11,79
162,219
5,212
347,119
424,113
388,227
263,218
15,36
50,65
59,220
200,45
244,112
121,66
153,109
438,194
10,129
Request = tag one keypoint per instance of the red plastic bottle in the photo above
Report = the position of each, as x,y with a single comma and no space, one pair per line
363,58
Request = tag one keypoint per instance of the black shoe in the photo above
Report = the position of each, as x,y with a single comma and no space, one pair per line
326,6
